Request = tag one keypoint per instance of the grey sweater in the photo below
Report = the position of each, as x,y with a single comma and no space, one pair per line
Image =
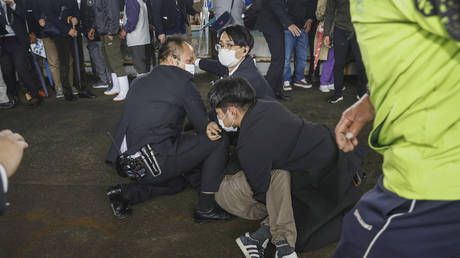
337,13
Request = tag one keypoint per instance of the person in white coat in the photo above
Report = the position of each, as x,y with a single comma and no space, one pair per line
136,31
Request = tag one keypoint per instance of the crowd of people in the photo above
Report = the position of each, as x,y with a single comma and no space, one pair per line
251,157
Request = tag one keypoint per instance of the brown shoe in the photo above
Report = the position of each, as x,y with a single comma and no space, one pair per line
36,101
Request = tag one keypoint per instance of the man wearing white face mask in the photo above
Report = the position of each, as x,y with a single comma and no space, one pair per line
234,60
153,114
293,177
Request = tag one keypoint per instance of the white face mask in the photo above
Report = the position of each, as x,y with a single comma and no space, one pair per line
190,68
227,57
227,129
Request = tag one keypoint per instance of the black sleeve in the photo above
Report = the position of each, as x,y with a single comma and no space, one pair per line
20,9
279,10
189,7
256,165
156,13
311,8
2,198
194,107
329,17
214,67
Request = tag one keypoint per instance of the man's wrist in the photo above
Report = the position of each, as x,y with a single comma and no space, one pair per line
4,178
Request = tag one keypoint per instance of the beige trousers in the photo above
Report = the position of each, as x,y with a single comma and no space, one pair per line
236,197
53,62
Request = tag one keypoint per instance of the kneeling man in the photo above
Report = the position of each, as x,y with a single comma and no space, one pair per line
149,145
276,147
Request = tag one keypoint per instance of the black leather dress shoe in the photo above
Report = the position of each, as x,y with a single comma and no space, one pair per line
120,206
213,214
282,96
86,95
70,97
36,101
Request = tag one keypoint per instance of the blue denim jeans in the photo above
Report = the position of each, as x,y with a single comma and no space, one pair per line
300,45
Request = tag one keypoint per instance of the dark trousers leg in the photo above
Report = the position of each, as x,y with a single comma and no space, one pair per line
140,59
64,45
311,44
341,46
19,59
84,79
193,150
362,78
275,70
9,75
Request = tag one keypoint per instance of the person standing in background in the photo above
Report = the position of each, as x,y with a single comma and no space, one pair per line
326,53
136,31
107,23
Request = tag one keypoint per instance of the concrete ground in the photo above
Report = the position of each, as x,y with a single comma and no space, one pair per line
58,204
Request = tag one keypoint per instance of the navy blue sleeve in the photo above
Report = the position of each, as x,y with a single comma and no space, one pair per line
132,15
214,67
156,13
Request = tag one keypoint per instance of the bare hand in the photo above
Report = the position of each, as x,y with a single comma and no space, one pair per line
307,26
91,33
32,38
11,151
42,22
74,21
327,41
110,37
213,131
294,30
122,34
352,121
9,2
73,33
196,18
162,38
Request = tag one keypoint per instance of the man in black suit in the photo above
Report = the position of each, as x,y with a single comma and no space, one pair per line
153,114
14,43
272,140
12,147
272,21
234,46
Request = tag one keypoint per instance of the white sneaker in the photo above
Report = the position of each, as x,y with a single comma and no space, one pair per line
287,86
292,255
331,86
74,90
324,88
115,88
124,87
59,93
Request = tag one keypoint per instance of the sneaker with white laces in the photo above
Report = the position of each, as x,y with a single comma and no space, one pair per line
287,86
334,99
74,90
331,87
324,88
251,247
59,93
100,85
303,84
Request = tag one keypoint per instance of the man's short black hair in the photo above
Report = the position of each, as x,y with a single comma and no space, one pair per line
173,46
240,35
232,91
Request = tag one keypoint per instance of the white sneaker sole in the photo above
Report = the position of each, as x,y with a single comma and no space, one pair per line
243,248
111,94
303,86
100,87
325,90
337,100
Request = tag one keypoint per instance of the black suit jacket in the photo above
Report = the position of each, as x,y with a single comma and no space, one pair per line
247,70
272,137
2,198
155,109
273,17
17,19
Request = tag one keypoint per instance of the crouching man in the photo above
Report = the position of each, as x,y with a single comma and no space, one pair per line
149,145
292,173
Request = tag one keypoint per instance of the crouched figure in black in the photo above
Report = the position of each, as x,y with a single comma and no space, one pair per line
150,146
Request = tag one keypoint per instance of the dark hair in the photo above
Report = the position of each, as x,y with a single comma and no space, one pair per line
232,91
173,46
240,35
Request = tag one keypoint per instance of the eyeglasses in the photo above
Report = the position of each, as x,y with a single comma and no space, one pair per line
225,46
